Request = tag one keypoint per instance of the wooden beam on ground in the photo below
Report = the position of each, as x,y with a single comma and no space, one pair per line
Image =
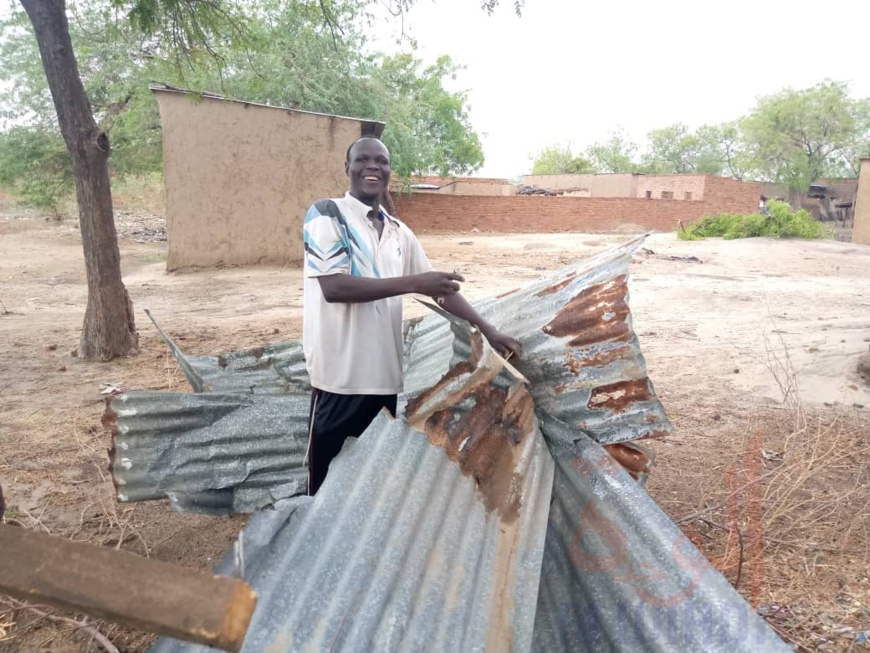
128,589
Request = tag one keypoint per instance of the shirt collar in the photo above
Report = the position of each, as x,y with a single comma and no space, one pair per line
363,209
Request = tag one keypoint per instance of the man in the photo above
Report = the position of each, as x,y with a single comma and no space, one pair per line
359,261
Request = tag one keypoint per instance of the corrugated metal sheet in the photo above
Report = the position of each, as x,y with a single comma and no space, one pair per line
581,357
415,541
403,547
210,452
619,575
580,353
271,369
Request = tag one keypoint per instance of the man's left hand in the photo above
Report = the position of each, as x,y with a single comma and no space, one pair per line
504,344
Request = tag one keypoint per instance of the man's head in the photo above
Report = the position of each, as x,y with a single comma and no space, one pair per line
368,167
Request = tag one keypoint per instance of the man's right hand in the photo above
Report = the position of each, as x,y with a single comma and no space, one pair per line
437,284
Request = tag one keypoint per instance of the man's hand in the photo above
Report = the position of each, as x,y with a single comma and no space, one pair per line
437,284
503,344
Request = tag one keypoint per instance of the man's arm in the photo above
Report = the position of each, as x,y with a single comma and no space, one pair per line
502,343
348,289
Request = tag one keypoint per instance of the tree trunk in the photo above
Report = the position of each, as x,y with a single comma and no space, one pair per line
109,329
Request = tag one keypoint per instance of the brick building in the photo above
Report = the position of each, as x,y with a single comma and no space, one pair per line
653,202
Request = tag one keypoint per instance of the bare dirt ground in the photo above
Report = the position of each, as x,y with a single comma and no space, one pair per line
753,351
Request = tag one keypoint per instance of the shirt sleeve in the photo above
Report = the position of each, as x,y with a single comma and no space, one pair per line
416,262
327,250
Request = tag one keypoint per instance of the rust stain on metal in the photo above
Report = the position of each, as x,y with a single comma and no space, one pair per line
597,314
556,287
573,364
608,356
635,461
508,293
485,440
620,395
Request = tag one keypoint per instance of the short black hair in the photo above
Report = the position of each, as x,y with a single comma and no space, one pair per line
362,138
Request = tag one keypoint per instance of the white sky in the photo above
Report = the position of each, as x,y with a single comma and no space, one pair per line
572,70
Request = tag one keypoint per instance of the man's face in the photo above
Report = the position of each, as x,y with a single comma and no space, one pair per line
368,169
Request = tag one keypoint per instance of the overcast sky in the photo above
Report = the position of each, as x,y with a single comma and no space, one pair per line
574,70
570,70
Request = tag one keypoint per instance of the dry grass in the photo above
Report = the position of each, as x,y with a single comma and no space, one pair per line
789,524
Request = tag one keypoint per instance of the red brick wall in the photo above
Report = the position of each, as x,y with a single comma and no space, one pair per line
519,213
529,214
730,196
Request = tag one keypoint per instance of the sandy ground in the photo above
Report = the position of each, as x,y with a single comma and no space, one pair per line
725,337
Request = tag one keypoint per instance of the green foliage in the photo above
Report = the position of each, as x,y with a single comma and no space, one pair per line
35,166
799,136
678,150
616,154
780,222
557,160
794,137
304,54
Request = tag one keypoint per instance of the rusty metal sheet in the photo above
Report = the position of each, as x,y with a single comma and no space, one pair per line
580,354
593,378
427,534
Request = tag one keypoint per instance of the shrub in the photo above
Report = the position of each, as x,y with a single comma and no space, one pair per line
35,166
781,222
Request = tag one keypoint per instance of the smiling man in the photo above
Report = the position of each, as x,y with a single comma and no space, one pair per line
359,261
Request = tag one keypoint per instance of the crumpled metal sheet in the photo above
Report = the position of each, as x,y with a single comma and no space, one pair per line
210,453
619,575
580,355
427,534
272,369
396,551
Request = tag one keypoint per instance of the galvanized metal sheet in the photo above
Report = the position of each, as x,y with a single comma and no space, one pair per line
619,575
427,534
272,369
211,453
580,353
581,357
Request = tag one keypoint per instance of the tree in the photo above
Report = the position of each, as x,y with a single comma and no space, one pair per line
109,328
799,136
557,160
616,154
287,58
677,150
736,160
188,28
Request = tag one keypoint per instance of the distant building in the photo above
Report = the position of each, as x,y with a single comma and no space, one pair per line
659,187
583,203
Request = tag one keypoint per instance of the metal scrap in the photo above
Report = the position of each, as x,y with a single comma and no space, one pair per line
495,489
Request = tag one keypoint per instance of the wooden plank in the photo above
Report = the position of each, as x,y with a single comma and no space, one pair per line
128,589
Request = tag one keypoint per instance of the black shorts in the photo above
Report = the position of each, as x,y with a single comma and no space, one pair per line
332,419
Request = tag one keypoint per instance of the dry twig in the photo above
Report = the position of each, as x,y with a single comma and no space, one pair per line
44,612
